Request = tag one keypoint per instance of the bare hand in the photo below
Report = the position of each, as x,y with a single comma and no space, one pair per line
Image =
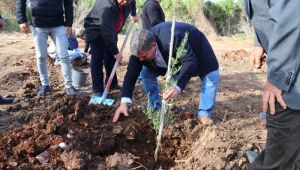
121,109
69,31
257,57
24,28
272,93
170,93
134,18
118,57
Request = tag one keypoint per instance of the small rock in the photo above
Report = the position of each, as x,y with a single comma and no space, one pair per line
43,157
69,136
229,165
117,130
62,145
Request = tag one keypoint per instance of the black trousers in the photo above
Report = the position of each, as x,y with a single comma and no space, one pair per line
283,141
101,55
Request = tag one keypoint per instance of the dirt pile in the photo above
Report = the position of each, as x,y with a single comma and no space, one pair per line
237,55
74,135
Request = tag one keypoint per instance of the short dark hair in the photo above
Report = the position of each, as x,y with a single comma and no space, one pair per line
141,40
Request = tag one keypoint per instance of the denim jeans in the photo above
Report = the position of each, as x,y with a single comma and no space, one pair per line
151,87
207,95
209,89
59,37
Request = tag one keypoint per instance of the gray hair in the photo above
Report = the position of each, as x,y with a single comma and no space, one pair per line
141,40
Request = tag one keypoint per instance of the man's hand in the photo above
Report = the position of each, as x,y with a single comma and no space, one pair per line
69,31
118,57
257,57
134,18
121,109
24,28
270,96
170,93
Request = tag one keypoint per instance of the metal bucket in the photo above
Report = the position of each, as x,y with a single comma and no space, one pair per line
79,76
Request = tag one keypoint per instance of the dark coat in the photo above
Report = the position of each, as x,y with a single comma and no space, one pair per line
277,30
46,13
199,60
152,14
101,20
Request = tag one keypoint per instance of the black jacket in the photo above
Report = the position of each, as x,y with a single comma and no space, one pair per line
101,20
199,60
152,14
46,13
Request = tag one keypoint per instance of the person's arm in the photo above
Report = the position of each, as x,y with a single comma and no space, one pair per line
68,8
133,71
189,63
283,53
133,15
107,30
21,11
154,13
21,16
188,69
257,57
133,8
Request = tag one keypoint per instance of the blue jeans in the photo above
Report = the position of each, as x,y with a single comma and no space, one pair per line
149,80
59,37
209,88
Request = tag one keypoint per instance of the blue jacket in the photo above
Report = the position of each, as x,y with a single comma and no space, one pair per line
198,61
277,29
46,13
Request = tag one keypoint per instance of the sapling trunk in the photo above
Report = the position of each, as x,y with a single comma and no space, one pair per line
173,69
164,109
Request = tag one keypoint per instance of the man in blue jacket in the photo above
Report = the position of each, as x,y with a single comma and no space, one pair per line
277,29
49,18
149,57
102,24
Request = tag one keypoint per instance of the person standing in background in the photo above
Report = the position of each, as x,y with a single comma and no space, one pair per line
102,25
277,29
152,14
54,19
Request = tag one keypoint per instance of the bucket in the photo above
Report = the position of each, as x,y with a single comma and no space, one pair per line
79,76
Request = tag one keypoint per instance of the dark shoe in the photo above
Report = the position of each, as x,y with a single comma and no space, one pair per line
43,90
6,100
72,90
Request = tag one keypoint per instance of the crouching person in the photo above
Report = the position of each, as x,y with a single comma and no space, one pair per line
149,57
54,19
76,56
